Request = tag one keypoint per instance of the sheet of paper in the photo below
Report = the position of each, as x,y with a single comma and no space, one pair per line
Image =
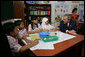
35,36
62,37
43,45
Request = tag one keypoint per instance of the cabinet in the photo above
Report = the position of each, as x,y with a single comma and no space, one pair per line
37,10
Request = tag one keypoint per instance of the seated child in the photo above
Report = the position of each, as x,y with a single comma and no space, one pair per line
12,33
21,28
34,27
46,26
22,31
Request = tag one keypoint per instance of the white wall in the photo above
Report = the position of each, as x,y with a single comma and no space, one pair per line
53,9
70,9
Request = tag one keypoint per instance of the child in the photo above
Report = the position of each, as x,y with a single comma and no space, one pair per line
21,28
74,14
34,27
22,31
46,26
12,33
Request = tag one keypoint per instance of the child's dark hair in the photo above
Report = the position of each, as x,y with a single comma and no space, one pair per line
8,27
75,9
18,22
33,18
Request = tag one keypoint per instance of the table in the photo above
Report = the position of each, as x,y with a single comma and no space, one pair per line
60,47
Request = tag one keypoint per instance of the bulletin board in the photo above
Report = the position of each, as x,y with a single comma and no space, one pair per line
64,7
61,8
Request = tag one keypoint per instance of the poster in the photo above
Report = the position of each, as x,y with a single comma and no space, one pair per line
60,10
46,2
75,1
75,6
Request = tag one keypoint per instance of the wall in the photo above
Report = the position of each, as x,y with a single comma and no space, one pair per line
7,10
69,12
54,23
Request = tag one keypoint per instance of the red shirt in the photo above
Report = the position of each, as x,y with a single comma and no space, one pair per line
74,17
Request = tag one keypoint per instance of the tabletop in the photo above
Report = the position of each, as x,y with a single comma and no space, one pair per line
60,47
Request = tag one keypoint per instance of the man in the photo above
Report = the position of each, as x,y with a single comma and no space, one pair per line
67,25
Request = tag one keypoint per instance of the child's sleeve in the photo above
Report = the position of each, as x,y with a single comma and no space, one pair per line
15,47
39,26
29,27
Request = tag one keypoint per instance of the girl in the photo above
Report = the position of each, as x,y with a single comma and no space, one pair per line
74,14
46,26
21,28
12,33
22,31
34,27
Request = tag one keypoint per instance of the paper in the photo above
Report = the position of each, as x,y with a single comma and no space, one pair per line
40,45
62,37
58,10
57,6
50,45
43,45
34,36
66,10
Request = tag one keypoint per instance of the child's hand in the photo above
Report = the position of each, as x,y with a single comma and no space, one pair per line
35,42
45,30
29,41
23,37
26,34
37,31
72,32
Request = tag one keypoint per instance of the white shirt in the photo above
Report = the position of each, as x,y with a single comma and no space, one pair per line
14,45
48,27
22,32
30,28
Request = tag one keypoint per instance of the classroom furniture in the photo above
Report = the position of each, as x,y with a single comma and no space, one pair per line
37,10
82,51
74,45
80,28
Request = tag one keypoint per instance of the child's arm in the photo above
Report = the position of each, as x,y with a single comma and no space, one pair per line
52,30
25,47
28,41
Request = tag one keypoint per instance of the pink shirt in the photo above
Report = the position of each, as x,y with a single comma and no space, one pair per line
30,28
14,45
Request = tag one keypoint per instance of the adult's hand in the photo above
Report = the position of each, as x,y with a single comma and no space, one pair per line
72,32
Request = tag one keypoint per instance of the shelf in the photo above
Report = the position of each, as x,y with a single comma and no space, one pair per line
38,5
39,15
38,9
